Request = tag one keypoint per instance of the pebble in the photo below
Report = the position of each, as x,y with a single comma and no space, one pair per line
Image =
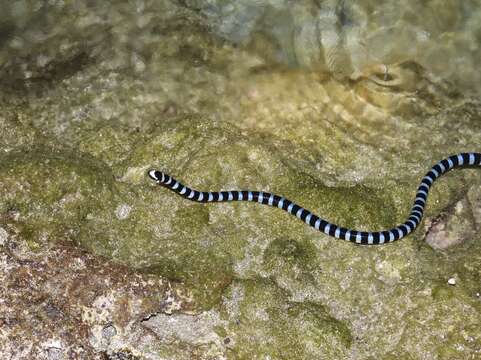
109,331
122,212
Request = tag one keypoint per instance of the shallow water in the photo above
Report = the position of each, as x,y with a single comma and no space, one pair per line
350,38
341,37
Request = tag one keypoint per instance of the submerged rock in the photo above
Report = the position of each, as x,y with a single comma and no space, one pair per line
156,89
346,38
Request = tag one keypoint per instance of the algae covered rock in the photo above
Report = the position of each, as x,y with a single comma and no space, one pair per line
51,191
265,323
157,87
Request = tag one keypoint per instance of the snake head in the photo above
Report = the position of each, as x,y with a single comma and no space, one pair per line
157,176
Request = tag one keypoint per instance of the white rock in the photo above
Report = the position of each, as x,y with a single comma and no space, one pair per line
122,212
3,236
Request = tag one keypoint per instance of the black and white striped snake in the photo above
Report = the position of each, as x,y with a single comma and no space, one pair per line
355,236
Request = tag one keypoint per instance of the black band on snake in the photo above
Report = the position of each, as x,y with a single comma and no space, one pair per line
355,236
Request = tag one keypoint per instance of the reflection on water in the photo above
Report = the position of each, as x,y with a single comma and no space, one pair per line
266,66
342,37
348,37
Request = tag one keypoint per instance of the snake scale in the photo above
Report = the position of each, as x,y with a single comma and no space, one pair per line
472,160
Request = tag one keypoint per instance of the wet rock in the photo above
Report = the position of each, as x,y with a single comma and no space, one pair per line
3,236
161,277
53,301
262,321
452,228
109,331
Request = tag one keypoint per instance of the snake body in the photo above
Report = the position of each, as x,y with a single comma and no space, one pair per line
359,237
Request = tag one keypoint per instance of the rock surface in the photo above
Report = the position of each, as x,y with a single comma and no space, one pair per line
99,262
64,303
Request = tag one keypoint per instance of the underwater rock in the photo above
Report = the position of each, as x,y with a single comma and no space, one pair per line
346,38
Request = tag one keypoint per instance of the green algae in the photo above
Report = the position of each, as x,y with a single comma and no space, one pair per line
266,324
287,253
202,245
76,146
53,190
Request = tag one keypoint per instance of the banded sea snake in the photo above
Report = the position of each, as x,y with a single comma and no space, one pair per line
355,236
